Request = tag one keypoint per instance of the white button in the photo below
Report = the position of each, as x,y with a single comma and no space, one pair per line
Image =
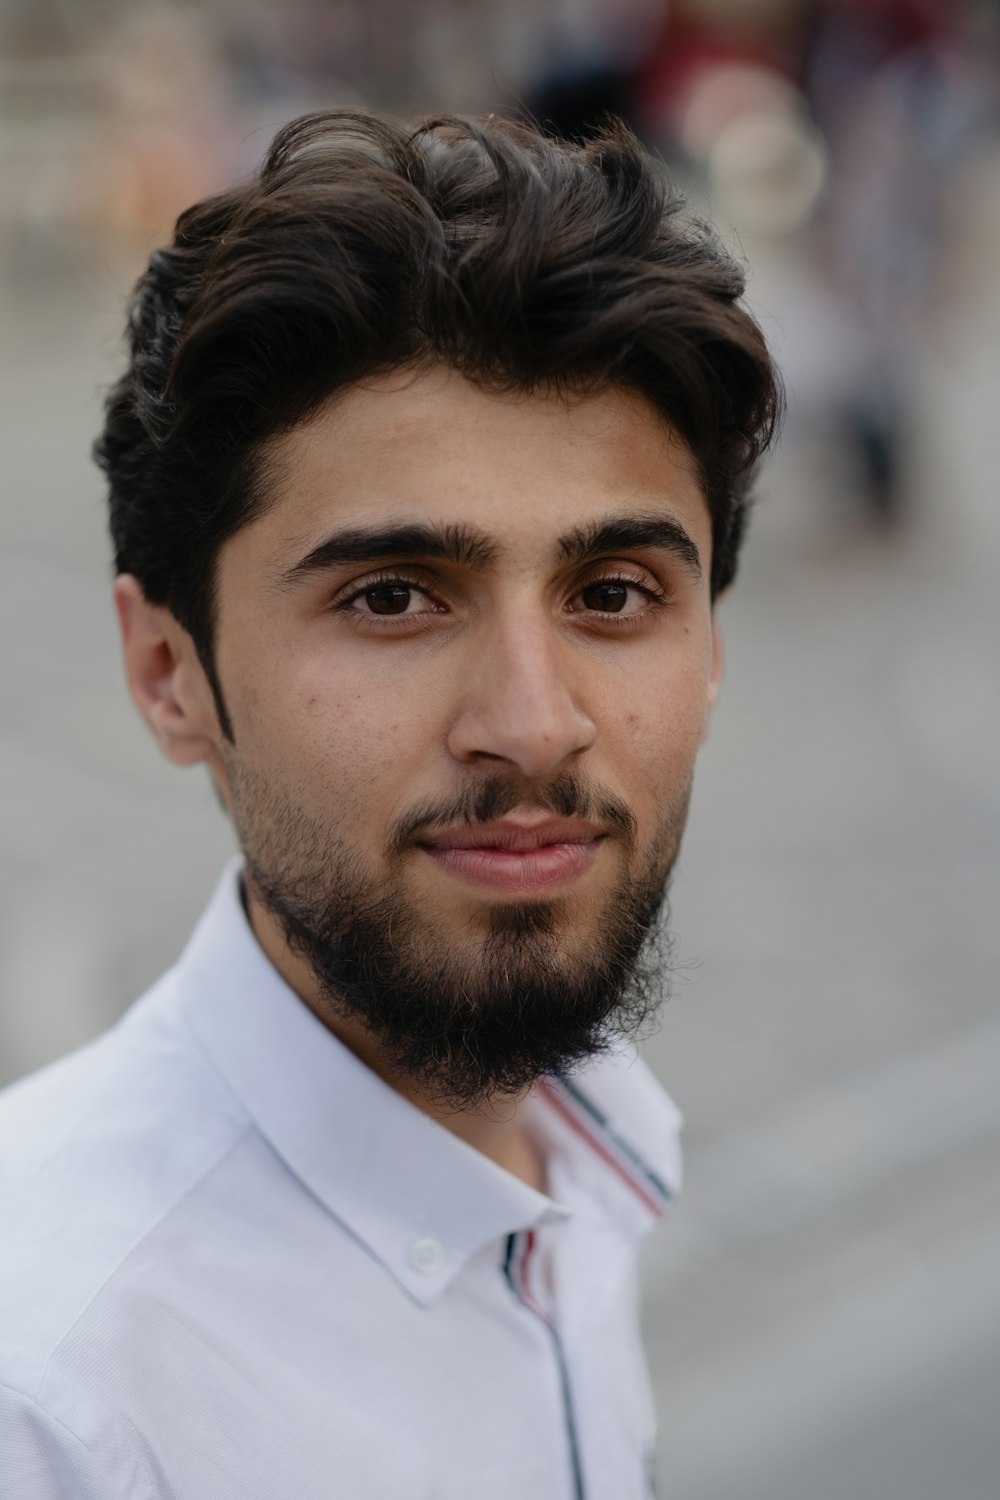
427,1255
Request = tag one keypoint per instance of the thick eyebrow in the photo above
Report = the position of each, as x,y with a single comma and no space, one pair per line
464,545
624,533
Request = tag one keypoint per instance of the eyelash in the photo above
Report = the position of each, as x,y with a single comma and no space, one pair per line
379,580
655,593
657,596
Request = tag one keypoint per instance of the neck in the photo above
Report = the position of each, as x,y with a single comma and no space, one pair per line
496,1128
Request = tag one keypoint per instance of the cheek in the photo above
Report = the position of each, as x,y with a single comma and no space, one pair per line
330,737
321,726
662,729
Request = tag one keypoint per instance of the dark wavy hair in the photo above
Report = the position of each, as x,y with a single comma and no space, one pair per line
363,244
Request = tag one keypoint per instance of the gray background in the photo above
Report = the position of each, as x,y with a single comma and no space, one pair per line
823,1311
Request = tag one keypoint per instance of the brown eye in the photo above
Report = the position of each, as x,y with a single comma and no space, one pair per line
388,599
610,596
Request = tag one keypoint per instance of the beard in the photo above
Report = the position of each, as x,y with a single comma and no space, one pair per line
522,993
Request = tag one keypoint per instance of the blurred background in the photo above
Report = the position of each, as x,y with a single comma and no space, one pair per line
823,1311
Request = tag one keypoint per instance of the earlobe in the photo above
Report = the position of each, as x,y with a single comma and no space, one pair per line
714,676
164,675
717,662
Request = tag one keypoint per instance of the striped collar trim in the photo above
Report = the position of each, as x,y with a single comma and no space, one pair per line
580,1115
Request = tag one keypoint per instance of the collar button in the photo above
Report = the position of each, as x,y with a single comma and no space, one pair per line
427,1255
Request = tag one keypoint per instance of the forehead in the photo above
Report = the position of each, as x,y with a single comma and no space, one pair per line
432,445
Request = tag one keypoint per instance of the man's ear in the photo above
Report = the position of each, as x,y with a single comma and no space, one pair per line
717,662
714,675
165,677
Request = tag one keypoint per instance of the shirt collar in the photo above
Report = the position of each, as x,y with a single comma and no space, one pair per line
420,1199
611,1122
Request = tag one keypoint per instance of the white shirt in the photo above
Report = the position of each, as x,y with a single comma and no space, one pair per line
236,1265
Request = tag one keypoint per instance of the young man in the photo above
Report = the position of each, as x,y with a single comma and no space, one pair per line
429,462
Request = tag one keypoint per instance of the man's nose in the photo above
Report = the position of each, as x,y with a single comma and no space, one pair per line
521,704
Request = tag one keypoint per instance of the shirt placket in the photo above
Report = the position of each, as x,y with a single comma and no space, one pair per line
528,1268
591,1267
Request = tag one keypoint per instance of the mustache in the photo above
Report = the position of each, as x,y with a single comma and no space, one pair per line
566,796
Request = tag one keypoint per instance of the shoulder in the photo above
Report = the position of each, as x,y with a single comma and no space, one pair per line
95,1151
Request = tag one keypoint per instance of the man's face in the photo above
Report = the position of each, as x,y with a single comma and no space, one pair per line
467,655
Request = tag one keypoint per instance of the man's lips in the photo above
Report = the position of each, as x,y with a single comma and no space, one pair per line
515,838
511,856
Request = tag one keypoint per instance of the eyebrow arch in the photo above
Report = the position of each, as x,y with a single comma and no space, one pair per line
623,533
463,545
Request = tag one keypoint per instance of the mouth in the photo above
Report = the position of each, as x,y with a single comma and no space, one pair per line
512,856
